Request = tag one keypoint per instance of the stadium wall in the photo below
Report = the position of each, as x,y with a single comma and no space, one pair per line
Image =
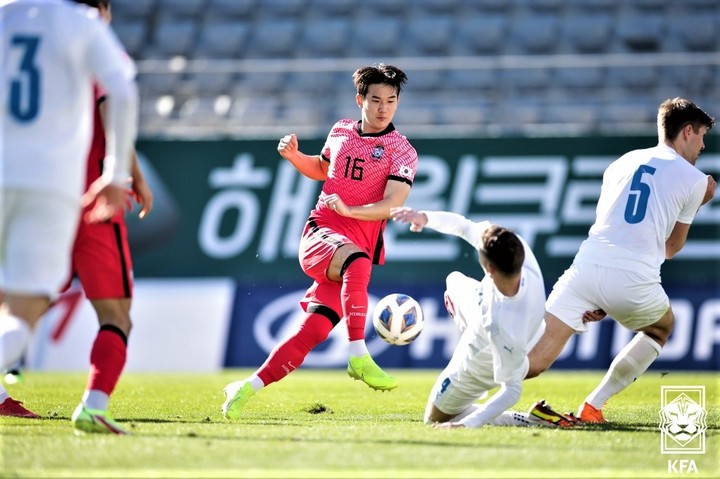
216,262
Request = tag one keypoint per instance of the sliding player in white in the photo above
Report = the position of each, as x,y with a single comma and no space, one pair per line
500,319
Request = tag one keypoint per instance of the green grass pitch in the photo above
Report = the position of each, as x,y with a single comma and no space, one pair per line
320,423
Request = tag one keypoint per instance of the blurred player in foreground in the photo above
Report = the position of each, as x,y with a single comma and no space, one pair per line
647,202
53,52
367,167
500,318
101,260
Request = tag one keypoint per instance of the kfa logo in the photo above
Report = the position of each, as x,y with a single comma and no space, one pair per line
682,420
678,466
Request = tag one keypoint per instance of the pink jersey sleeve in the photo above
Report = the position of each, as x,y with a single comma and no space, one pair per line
405,161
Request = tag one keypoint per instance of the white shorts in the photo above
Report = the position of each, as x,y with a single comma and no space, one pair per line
37,231
456,388
469,375
629,298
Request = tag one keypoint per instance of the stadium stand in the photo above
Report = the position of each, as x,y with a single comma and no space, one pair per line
262,67
230,9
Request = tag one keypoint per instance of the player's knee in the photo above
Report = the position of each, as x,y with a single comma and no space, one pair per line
357,268
430,416
453,280
534,372
121,322
536,366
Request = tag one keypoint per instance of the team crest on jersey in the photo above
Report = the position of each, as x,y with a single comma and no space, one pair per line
377,152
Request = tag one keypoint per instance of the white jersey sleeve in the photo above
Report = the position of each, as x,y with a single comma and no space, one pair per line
508,395
457,225
697,193
115,72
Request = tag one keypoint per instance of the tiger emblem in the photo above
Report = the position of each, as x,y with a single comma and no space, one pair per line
682,419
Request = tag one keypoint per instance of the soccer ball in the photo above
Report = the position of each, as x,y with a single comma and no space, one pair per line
398,319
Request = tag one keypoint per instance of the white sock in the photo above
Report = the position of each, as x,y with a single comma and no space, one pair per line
256,383
630,363
512,418
96,399
358,347
14,340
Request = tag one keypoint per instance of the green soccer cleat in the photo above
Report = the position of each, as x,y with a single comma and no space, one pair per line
95,421
363,368
237,394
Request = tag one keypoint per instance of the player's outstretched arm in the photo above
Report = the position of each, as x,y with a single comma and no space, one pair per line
417,219
443,222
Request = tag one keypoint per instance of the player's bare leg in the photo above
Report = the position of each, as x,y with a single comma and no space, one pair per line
551,344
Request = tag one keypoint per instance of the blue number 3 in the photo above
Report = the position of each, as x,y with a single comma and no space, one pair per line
25,87
636,206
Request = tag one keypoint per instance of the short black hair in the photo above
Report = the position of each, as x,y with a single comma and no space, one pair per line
379,73
95,3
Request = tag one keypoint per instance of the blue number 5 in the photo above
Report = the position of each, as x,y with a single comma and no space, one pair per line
25,87
636,206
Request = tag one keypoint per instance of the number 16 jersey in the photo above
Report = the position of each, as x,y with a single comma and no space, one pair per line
361,164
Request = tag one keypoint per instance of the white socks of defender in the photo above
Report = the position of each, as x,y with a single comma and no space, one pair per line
14,339
627,366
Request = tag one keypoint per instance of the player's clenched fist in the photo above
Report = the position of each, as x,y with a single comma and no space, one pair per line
288,146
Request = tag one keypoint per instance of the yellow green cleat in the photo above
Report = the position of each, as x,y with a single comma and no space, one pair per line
95,421
363,368
237,394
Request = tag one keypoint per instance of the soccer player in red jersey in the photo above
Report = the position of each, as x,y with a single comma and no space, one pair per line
101,260
368,168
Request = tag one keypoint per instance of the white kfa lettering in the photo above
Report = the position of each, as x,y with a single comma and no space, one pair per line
678,466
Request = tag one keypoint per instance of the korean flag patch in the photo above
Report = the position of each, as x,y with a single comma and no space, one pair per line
406,172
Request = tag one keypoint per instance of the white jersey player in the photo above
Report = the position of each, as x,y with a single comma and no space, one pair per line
500,318
647,202
52,52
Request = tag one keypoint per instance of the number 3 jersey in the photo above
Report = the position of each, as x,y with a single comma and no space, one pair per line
360,167
644,193
52,52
